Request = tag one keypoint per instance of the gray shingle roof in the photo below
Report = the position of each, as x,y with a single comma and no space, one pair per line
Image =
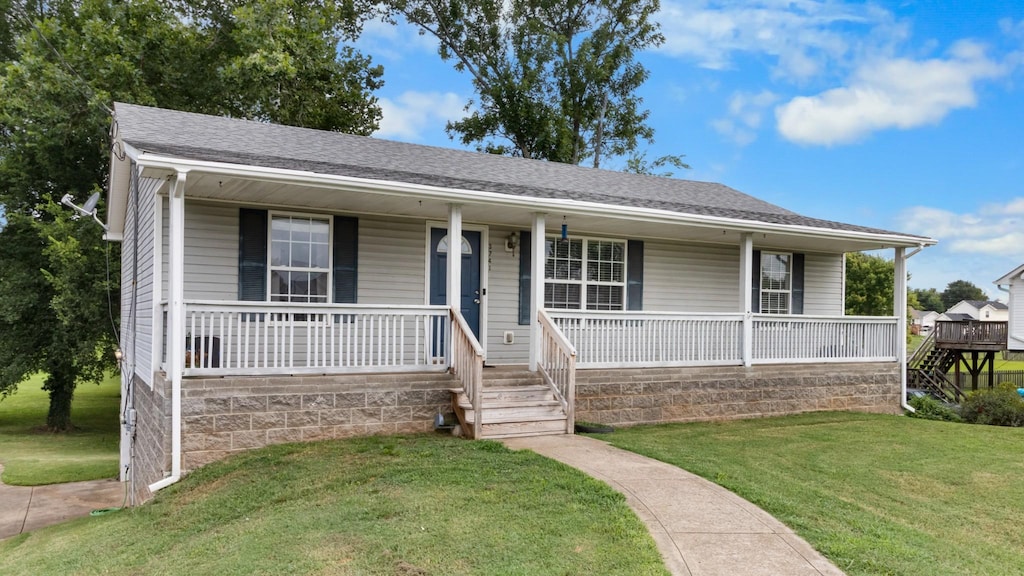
981,303
211,138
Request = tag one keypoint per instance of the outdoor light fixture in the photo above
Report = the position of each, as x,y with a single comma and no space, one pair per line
118,355
565,230
511,242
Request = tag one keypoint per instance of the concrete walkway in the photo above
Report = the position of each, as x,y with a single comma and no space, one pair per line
701,528
25,508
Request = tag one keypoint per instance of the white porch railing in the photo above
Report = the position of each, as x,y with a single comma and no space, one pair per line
557,366
468,366
241,338
823,339
656,339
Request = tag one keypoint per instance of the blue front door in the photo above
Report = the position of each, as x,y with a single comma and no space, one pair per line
470,248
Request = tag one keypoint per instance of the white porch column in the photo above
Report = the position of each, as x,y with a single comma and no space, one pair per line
746,298
176,314
538,258
899,310
454,286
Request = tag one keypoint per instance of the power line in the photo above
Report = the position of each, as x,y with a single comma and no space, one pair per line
19,12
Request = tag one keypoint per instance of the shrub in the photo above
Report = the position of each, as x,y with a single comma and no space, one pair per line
929,408
1001,406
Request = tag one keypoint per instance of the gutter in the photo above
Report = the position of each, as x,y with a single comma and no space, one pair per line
170,163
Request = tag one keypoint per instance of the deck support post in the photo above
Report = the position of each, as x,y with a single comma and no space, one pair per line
746,295
176,314
454,287
538,259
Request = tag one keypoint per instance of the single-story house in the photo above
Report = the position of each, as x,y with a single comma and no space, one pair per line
923,321
284,284
1013,283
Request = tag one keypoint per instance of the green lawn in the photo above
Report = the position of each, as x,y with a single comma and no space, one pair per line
876,494
414,505
32,456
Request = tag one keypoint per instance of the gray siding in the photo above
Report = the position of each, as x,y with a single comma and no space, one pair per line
823,284
691,278
503,303
392,261
137,280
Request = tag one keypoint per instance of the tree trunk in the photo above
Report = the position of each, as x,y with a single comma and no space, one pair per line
61,385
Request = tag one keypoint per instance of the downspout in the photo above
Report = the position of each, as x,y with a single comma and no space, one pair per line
176,323
902,282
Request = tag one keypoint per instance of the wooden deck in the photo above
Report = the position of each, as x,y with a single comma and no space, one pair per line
971,335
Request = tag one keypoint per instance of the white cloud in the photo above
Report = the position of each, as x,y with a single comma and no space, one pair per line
746,111
408,115
996,230
804,36
889,93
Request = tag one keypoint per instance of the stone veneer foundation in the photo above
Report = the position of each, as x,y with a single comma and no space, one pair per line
654,395
221,416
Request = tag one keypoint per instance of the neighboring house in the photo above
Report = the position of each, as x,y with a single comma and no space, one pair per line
923,321
984,310
284,284
1013,283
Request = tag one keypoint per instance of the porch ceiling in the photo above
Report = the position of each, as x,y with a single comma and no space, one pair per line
581,219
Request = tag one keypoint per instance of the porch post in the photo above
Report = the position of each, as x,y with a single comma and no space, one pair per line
746,297
899,310
536,287
454,287
176,314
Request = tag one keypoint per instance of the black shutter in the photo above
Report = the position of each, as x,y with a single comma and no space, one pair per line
635,275
252,254
797,284
755,282
346,254
525,263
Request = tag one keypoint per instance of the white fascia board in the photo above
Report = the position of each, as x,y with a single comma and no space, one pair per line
1015,274
530,203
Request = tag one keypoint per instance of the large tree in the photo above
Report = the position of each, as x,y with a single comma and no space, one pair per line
929,299
958,290
869,285
275,60
554,79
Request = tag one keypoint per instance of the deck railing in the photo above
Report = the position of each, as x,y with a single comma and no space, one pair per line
557,366
619,339
656,339
240,338
971,332
823,339
468,365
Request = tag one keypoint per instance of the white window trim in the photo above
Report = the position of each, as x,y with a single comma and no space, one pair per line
762,290
270,252
583,283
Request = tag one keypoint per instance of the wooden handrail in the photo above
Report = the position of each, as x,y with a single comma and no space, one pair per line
557,367
468,365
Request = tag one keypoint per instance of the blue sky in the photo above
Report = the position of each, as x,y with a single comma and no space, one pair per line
905,116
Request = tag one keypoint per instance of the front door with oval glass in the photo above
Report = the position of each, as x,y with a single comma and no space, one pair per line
439,250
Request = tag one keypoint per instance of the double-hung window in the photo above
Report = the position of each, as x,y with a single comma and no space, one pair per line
584,273
776,283
300,258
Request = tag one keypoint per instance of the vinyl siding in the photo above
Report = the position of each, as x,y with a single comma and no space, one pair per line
691,278
503,303
137,280
1016,322
211,251
392,261
823,284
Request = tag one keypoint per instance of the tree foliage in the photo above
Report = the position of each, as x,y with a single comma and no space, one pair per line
958,290
275,60
929,299
869,285
554,79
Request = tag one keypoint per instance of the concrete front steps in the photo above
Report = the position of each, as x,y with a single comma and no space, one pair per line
515,402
